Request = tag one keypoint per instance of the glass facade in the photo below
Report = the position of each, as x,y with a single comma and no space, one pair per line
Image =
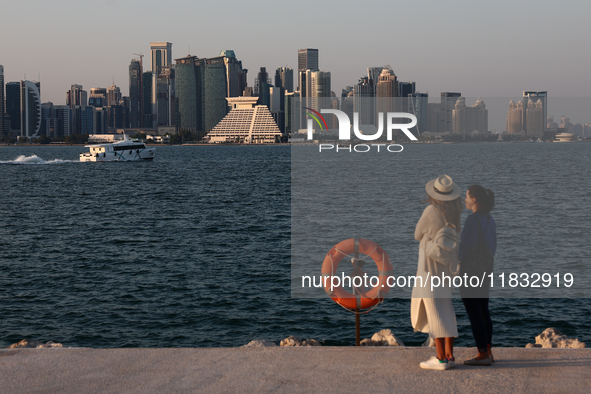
186,93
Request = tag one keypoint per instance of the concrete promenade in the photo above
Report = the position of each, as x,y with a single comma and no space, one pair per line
288,370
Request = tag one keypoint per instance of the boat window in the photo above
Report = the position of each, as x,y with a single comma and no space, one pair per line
126,147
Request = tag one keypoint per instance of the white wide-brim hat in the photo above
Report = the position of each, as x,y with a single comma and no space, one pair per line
443,188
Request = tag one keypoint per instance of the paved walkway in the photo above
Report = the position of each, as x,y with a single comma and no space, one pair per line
288,370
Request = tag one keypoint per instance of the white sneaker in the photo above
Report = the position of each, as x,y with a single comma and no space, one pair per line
451,363
435,363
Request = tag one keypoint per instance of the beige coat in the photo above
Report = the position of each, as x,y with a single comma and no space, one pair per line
431,311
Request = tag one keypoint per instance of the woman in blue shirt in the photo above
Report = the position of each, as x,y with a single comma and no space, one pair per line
477,249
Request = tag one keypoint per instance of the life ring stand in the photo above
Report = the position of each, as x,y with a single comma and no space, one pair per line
361,300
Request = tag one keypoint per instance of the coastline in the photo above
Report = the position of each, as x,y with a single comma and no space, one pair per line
287,369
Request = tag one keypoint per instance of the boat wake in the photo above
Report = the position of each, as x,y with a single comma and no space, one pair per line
34,159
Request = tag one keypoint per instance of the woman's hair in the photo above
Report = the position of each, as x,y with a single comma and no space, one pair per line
485,198
450,209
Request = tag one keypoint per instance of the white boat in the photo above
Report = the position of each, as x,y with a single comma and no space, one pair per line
125,150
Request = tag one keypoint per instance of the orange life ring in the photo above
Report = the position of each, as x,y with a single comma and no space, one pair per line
363,300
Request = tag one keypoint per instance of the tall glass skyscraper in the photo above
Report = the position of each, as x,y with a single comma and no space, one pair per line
307,59
2,131
23,105
161,55
135,93
187,93
201,91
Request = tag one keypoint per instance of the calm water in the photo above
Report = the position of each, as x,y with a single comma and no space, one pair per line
193,250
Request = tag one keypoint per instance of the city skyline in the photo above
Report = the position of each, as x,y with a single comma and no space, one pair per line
490,52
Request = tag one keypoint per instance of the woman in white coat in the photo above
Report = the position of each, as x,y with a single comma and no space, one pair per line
432,310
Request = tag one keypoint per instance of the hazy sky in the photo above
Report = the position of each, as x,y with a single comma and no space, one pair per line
497,49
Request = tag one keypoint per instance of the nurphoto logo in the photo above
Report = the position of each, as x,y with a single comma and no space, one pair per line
392,123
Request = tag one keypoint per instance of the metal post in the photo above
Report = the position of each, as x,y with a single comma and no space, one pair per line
357,328
357,266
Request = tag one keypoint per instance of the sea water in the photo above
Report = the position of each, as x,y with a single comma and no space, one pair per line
193,248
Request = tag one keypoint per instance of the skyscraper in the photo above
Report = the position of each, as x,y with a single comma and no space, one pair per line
135,93
13,106
373,73
201,93
284,79
213,93
418,105
76,96
469,119
161,55
533,97
23,104
235,74
386,89
2,132
113,95
114,109
165,96
307,59
98,97
448,102
147,100
262,77
187,93
364,103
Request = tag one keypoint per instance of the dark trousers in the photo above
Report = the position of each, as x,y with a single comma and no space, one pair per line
482,327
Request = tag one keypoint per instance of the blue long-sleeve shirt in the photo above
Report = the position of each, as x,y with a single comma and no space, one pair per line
470,233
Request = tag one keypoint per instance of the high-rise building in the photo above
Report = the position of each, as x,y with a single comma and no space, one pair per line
201,88
386,90
469,119
2,132
148,100
62,120
262,77
364,101
307,59
115,110
284,79
165,98
236,75
76,96
448,103
98,97
113,95
515,120
535,124
23,105
418,105
213,93
535,130
13,106
100,120
315,92
161,55
373,73
135,94
187,94
292,112
406,88
434,110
